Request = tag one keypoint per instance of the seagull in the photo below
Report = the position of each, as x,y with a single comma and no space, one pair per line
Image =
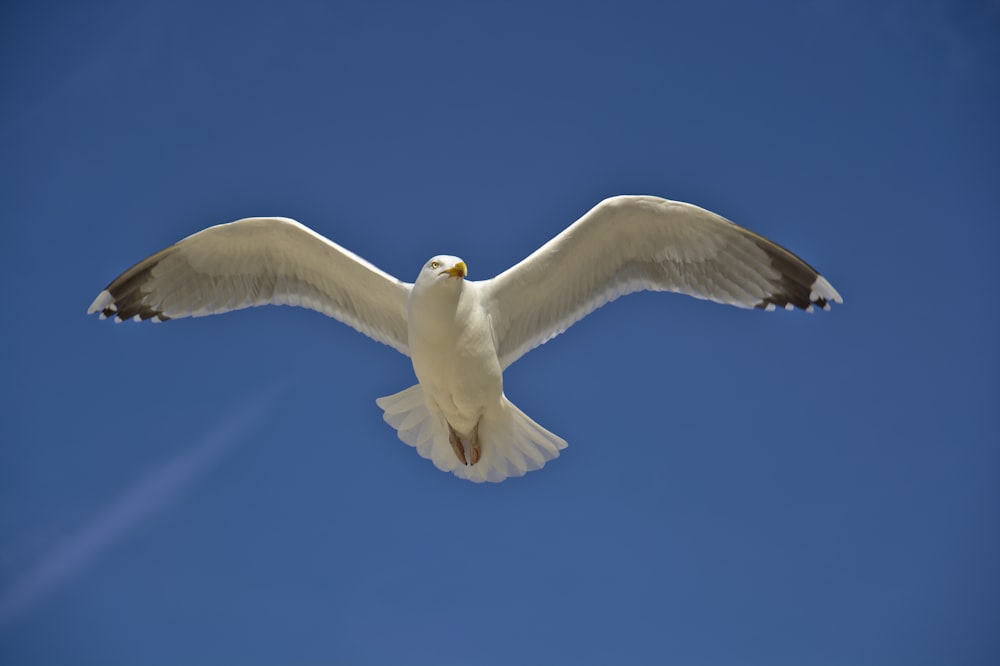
462,334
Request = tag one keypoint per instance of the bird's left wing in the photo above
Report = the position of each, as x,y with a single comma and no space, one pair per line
260,261
634,243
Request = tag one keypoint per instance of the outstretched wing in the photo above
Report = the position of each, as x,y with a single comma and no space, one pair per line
634,243
260,261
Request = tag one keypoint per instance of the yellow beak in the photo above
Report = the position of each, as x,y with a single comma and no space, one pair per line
458,270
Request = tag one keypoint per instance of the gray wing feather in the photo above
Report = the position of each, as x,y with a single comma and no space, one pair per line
634,243
260,261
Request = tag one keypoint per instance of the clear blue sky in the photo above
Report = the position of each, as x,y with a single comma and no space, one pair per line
740,487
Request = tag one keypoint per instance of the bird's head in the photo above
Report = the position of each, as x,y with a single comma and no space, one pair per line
443,268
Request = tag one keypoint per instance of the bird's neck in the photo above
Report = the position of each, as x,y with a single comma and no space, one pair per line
436,308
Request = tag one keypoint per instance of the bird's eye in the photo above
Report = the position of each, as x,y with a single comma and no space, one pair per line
435,264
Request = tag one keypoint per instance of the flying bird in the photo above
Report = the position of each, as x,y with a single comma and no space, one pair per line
461,334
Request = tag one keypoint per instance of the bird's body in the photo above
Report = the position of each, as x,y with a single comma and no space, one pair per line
461,334
462,413
454,361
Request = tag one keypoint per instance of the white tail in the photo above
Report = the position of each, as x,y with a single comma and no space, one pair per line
512,443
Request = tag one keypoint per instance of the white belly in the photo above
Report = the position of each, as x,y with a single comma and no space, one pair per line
455,360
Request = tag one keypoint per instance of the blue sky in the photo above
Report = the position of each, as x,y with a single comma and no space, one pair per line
740,487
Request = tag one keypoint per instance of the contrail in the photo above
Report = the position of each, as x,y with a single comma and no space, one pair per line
153,492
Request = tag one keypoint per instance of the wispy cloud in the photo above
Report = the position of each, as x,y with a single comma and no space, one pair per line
154,492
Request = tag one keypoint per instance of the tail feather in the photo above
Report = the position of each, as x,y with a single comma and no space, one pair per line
406,412
512,444
412,420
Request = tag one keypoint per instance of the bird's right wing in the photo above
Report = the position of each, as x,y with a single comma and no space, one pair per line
631,243
260,261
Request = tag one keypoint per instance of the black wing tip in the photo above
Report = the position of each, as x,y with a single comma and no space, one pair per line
799,285
789,302
126,298
125,307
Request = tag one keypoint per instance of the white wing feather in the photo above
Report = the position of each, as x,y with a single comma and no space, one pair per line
634,243
260,261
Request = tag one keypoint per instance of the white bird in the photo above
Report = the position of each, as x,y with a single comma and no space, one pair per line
462,334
